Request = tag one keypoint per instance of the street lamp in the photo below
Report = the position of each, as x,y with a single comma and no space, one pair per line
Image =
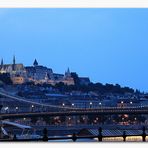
90,104
122,104
73,104
32,107
131,102
95,121
6,109
17,109
63,104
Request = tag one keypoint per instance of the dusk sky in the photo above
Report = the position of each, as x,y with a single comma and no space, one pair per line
107,45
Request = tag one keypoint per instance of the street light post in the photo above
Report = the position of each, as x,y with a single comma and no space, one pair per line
131,103
16,109
32,108
63,104
122,103
90,105
100,104
72,105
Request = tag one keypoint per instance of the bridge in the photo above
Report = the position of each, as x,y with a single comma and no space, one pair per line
68,111
77,112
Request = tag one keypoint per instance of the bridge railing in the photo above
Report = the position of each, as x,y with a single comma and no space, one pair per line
75,137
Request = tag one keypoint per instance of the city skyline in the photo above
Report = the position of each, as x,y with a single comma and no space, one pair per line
107,45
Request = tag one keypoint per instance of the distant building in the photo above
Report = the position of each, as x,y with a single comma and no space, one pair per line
68,80
18,80
38,73
17,71
57,77
84,80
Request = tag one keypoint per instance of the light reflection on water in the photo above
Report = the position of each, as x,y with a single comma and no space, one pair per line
78,140
111,139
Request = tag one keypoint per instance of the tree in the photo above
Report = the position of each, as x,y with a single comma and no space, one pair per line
60,86
30,83
5,78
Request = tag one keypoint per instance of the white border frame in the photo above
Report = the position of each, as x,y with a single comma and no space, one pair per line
74,3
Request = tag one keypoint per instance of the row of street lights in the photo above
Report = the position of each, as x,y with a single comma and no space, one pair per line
63,105
122,102
90,104
16,108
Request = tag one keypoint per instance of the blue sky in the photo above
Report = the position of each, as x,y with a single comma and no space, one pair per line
108,45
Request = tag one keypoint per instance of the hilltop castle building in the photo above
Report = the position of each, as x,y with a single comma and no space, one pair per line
38,74
17,71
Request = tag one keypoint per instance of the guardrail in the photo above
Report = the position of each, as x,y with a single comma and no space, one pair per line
75,137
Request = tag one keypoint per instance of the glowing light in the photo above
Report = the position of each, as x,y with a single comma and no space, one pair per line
6,108
95,121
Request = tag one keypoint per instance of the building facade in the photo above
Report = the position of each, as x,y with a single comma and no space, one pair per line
38,74
17,71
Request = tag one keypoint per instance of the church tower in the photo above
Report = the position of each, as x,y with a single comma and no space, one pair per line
35,63
13,60
68,74
2,63
13,65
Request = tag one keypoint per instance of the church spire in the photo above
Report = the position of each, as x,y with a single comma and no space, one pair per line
14,60
2,63
35,63
13,65
67,73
